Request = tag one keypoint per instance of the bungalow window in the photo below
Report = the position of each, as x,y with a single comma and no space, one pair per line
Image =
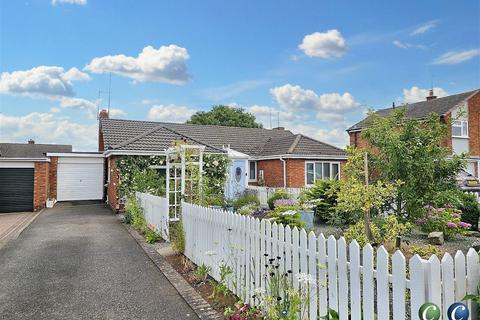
252,170
460,128
321,171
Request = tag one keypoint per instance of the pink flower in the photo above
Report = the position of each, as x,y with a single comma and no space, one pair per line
464,225
456,215
236,317
451,224
440,209
420,221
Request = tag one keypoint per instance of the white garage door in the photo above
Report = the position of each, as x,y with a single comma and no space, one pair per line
79,178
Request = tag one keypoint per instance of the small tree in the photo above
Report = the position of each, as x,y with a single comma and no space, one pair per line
415,153
357,194
225,116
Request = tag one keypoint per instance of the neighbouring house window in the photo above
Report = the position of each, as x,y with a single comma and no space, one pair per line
321,170
252,165
460,128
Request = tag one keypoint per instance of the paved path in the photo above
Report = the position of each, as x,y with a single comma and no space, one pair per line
11,224
79,262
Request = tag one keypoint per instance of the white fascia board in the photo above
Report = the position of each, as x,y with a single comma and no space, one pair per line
234,154
24,160
289,156
76,155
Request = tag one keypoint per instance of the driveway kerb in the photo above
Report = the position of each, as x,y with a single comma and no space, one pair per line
16,230
199,305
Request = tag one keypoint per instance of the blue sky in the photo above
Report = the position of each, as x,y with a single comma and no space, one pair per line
318,64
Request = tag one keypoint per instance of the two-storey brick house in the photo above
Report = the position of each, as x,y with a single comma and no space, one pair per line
461,110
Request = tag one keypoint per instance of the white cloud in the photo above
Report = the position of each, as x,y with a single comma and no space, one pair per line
166,64
42,81
328,106
170,113
416,94
47,128
117,113
78,103
335,136
424,27
406,45
324,45
269,116
455,57
76,75
77,2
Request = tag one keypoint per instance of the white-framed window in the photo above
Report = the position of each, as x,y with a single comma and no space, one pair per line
460,128
317,170
252,170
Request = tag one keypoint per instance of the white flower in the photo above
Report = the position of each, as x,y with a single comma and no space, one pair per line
289,212
210,253
215,163
306,279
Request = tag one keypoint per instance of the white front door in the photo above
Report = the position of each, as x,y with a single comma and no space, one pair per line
79,178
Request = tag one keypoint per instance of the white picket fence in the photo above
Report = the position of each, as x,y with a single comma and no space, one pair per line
155,210
263,193
476,194
348,277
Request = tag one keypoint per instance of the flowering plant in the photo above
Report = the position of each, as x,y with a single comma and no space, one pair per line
287,215
447,220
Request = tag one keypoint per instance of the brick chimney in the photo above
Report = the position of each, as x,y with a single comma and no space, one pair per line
31,141
431,96
103,114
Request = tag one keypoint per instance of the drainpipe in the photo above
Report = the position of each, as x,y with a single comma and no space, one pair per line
284,172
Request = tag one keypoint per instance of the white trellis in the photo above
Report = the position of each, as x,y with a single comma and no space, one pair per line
182,164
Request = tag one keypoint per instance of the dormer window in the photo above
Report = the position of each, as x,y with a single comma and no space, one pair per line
460,129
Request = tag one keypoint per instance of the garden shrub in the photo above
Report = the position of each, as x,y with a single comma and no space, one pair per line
127,217
470,210
134,209
177,236
287,216
148,181
357,232
390,228
425,251
279,194
151,236
247,209
322,198
246,199
447,220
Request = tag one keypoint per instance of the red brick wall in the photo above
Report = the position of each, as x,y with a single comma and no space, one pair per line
448,141
101,144
273,172
474,124
357,140
40,185
52,178
295,173
112,189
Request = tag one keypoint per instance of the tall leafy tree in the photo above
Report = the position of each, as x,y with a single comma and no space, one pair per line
414,152
225,116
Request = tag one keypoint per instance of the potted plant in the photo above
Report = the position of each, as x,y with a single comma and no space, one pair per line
50,203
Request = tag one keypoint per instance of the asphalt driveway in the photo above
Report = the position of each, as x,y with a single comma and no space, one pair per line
79,262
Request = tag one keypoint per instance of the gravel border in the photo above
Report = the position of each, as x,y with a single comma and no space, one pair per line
199,305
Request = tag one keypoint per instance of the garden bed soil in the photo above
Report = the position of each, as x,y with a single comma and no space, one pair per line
459,242
220,302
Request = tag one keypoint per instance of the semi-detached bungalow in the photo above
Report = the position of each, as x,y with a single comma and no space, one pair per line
274,157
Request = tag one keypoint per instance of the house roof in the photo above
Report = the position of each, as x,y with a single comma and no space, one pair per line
157,139
31,150
154,136
420,110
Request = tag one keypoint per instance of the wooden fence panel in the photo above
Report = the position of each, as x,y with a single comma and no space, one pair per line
352,283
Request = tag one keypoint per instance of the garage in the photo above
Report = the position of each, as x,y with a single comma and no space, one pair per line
16,188
80,177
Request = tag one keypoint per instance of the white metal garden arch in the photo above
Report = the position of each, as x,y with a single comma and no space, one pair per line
183,162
